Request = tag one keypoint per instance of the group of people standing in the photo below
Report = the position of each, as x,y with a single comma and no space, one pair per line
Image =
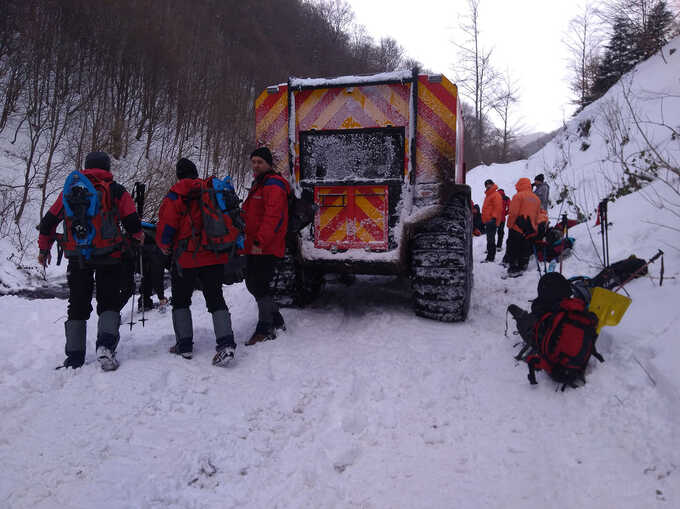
525,215
181,234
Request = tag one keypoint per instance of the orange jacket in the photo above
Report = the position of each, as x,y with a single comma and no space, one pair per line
493,206
524,208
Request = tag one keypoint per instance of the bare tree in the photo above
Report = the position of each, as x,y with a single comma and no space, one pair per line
474,73
507,95
583,39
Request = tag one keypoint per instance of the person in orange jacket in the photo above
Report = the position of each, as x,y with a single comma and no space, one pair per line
492,216
265,213
522,225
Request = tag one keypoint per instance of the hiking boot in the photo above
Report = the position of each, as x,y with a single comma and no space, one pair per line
175,349
258,337
515,272
486,260
74,360
223,356
279,323
107,359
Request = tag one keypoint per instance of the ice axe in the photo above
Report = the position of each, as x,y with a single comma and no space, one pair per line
640,269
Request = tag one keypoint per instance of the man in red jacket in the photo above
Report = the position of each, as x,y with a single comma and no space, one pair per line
103,264
265,213
179,232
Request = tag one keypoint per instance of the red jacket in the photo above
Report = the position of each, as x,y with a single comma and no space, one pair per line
493,206
265,213
524,208
506,203
126,211
180,224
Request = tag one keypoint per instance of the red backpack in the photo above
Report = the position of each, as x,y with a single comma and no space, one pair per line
565,342
212,220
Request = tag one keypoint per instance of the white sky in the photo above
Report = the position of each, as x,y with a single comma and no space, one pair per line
526,36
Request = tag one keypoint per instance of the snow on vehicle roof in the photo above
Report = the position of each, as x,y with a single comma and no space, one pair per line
342,80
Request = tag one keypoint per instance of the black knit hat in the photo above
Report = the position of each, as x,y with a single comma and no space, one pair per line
186,169
553,287
98,160
264,153
487,182
539,178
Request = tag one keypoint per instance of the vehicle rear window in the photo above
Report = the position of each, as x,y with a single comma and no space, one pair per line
365,154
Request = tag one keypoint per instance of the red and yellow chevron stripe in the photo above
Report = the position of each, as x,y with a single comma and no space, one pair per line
351,217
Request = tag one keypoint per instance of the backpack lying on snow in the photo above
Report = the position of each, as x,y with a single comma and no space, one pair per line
564,342
91,217
618,272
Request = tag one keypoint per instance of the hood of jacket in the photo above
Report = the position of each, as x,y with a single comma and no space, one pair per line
523,184
186,186
98,174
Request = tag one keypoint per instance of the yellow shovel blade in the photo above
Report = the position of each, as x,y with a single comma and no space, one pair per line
608,306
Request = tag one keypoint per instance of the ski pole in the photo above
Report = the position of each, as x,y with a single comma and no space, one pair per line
564,237
634,274
141,285
606,230
132,309
602,222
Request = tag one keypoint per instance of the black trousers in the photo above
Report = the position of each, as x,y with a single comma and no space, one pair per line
501,231
210,278
518,251
260,274
81,285
152,282
490,240
127,279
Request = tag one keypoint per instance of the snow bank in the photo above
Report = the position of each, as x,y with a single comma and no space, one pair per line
585,157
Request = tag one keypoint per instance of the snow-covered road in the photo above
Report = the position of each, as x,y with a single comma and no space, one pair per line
358,404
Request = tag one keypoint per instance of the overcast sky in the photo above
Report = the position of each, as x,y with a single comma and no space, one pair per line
526,36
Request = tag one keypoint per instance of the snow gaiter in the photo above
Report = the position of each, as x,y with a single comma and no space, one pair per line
184,330
107,330
266,308
76,334
224,335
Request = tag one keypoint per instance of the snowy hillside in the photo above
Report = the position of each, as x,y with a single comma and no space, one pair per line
588,158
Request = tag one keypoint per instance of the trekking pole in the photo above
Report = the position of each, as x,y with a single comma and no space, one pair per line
132,310
602,223
564,238
141,286
606,230
634,274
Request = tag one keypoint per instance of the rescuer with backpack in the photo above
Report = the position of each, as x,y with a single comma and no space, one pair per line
522,226
559,333
266,215
492,217
92,206
198,225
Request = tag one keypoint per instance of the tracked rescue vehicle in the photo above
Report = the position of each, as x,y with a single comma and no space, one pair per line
381,157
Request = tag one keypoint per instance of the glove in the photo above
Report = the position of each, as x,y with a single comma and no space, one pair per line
234,270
